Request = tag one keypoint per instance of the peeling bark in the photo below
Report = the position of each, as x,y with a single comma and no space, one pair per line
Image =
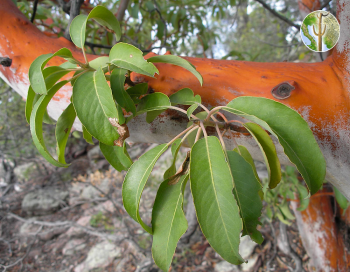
320,235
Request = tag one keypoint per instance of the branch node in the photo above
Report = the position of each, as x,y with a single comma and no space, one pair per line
5,61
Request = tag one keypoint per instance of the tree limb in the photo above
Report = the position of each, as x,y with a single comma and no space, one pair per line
121,9
325,4
74,12
65,6
35,5
274,12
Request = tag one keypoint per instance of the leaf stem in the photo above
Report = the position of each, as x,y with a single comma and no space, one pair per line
198,134
203,128
86,60
78,75
182,110
221,139
188,133
213,111
180,134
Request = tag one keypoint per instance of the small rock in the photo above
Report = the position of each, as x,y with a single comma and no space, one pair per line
246,247
51,233
246,267
83,221
44,201
23,172
73,246
224,266
91,192
100,256
28,228
95,153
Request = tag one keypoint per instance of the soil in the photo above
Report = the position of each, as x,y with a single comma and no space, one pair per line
34,247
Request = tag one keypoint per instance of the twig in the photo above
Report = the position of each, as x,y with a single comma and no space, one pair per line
93,45
157,9
274,248
289,250
274,12
83,202
68,224
35,5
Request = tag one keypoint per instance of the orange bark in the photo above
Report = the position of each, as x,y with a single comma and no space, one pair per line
321,95
321,236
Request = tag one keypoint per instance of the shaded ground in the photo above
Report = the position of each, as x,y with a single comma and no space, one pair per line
89,230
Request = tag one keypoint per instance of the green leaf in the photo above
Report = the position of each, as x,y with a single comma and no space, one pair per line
99,62
116,156
160,29
29,103
304,198
94,105
151,115
77,30
216,207
52,74
35,74
192,136
121,117
105,17
135,181
175,60
168,222
152,102
341,199
191,109
101,15
286,211
281,218
129,57
269,152
184,97
87,136
68,65
292,132
246,191
175,147
138,90
63,128
135,11
47,119
36,122
119,93
243,151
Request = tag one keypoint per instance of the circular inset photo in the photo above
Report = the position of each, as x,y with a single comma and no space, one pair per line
320,31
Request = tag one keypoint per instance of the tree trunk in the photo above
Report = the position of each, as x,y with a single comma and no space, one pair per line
321,96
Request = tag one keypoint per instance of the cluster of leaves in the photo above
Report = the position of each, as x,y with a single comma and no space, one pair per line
289,189
226,190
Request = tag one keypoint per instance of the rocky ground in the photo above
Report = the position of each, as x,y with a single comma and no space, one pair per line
73,220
